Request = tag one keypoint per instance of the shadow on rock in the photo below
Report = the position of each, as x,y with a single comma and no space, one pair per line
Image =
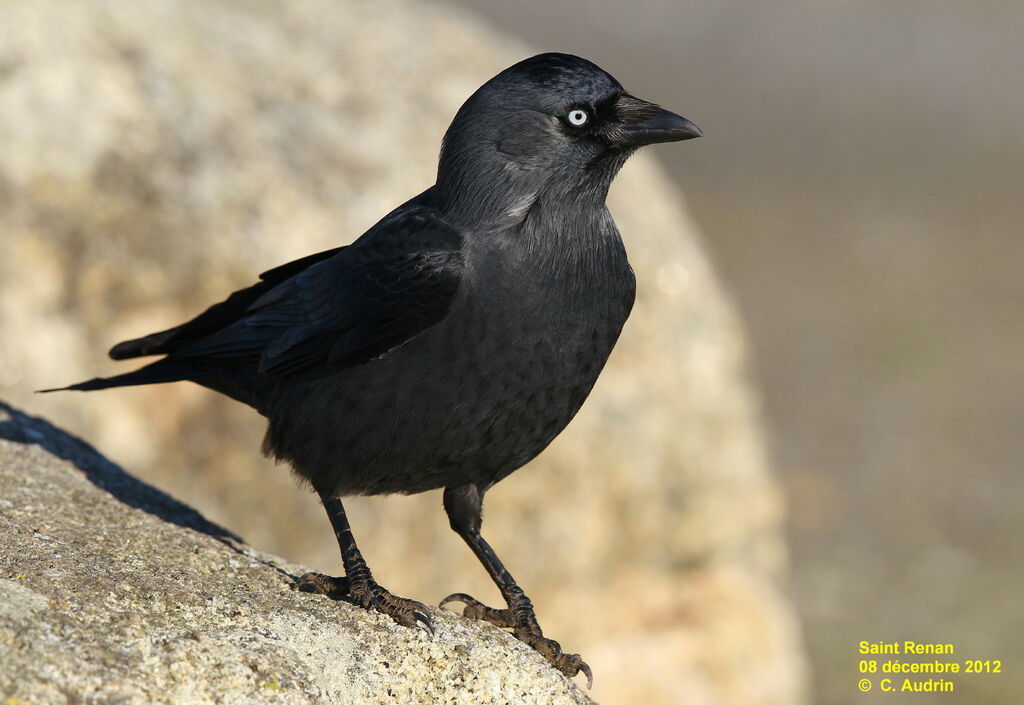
21,428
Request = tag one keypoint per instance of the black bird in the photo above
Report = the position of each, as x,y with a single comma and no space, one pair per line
454,340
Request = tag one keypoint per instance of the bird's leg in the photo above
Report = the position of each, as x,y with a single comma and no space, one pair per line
358,583
463,505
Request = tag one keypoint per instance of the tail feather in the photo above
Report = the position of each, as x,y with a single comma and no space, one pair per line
140,347
216,317
165,370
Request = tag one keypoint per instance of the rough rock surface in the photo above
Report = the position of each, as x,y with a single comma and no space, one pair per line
158,154
112,592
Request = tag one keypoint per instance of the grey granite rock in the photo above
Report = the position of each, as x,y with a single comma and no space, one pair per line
113,592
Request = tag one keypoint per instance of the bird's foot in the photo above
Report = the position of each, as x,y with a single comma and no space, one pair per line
520,618
321,584
368,594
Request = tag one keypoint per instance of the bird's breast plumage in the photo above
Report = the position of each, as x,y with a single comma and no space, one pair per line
483,391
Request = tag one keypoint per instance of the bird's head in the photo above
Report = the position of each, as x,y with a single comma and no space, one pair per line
552,122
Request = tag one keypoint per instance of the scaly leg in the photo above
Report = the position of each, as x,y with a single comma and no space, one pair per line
358,583
463,505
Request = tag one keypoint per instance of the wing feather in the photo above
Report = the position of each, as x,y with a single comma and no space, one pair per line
394,282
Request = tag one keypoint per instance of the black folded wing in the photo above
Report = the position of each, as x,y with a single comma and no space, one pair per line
393,283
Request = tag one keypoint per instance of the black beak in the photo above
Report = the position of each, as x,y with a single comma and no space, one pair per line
640,123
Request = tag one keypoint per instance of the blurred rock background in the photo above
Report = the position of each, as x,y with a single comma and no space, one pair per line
859,184
156,155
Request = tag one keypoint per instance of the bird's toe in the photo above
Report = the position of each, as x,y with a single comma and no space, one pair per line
568,664
519,617
475,609
369,595
408,613
323,585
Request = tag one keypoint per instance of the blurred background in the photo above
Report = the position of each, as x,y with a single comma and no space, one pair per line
858,193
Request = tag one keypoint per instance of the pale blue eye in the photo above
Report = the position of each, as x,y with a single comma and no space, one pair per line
578,118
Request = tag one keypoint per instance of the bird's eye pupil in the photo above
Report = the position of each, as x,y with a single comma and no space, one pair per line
578,117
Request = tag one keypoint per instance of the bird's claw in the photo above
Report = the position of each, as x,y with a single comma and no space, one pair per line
569,664
369,595
424,621
526,629
585,670
408,613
